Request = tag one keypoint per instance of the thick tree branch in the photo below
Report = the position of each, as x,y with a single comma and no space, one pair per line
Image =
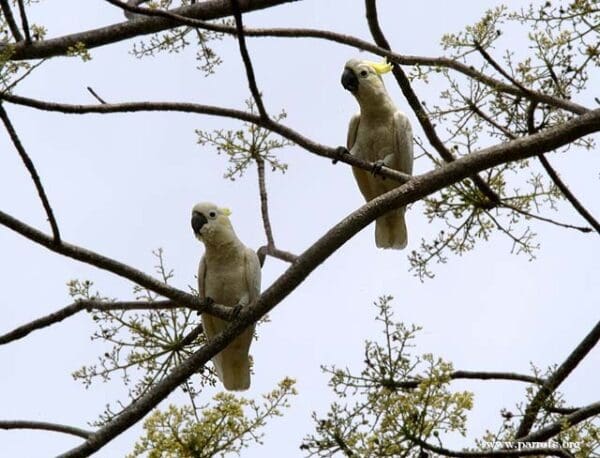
417,188
10,20
32,171
237,14
206,10
24,424
557,377
284,131
415,104
572,419
542,451
89,305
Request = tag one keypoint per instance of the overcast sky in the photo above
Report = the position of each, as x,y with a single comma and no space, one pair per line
124,185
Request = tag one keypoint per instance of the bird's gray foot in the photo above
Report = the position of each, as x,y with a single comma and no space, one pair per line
235,311
207,302
377,166
340,152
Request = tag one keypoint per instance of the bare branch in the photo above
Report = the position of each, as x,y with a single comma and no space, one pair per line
33,172
560,184
416,105
264,203
10,20
78,306
24,21
417,188
284,131
557,377
237,14
24,424
96,96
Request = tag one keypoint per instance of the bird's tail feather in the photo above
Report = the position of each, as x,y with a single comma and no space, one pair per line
235,372
390,230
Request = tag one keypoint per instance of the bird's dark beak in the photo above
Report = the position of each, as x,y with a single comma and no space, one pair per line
349,80
198,220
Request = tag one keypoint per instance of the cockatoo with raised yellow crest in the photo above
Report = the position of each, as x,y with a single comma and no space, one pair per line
379,133
229,274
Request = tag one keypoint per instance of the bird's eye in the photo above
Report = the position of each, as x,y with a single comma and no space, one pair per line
212,214
364,73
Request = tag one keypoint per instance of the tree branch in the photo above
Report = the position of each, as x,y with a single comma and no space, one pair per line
24,21
557,377
10,20
572,419
415,104
284,131
76,307
264,203
417,188
24,424
237,14
206,10
32,171
542,451
473,375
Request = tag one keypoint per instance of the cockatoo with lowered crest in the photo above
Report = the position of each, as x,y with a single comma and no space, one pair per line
382,134
229,274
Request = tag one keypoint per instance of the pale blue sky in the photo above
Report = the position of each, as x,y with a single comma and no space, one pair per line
123,185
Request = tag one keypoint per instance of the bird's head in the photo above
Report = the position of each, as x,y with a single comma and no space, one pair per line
211,224
363,78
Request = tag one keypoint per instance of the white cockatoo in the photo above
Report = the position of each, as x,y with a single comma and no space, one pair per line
382,134
229,274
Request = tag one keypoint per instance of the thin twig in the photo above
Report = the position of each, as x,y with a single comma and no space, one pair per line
33,172
499,68
72,309
237,14
557,377
264,204
24,22
25,424
417,107
10,20
96,96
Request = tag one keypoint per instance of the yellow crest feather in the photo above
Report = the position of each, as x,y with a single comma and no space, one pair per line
225,211
380,67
